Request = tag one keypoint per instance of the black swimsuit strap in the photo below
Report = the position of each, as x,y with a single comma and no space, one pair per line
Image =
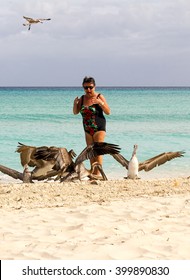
82,100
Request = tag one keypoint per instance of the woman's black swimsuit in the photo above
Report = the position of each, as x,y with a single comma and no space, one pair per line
93,118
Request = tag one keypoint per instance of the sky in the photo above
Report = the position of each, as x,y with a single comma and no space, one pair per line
118,42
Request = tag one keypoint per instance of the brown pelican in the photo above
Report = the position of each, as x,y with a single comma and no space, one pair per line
44,166
29,156
133,166
42,169
53,161
80,172
77,168
33,21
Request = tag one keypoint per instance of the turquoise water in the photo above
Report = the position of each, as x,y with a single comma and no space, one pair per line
157,119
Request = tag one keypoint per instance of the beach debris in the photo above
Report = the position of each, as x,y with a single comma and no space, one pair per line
30,21
25,176
93,182
176,183
134,166
58,163
11,172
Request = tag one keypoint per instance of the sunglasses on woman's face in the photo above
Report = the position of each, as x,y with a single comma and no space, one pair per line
89,87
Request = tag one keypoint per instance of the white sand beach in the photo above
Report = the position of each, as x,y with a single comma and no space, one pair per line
112,220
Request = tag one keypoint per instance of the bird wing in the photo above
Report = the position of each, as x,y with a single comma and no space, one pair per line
46,153
11,172
123,161
44,18
42,176
96,149
29,155
61,157
31,20
28,18
63,160
160,159
72,154
26,153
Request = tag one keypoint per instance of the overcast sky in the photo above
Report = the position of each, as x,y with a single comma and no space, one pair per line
118,42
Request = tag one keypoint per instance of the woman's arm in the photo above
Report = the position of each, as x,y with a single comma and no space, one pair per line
76,105
103,104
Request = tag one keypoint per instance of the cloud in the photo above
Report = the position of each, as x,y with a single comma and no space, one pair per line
126,36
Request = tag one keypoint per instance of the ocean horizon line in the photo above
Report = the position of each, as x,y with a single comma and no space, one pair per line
99,86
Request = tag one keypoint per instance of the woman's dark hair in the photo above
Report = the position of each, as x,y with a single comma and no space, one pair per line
88,80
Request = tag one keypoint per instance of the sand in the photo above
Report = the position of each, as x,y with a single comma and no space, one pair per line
112,220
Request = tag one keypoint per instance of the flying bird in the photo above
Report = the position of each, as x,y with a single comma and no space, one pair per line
134,166
30,21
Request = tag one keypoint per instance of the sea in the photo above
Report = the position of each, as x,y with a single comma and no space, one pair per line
155,118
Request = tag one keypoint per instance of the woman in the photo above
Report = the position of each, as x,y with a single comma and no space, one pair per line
92,105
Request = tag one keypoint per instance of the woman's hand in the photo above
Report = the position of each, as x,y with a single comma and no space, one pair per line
96,100
102,103
76,100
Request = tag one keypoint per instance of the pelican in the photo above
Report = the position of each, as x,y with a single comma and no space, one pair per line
31,21
134,166
53,161
80,172
77,168
44,168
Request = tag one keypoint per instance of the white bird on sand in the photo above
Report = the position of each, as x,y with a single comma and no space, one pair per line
134,166
31,21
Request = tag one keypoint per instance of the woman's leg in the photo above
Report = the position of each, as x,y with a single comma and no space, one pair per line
99,136
89,141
